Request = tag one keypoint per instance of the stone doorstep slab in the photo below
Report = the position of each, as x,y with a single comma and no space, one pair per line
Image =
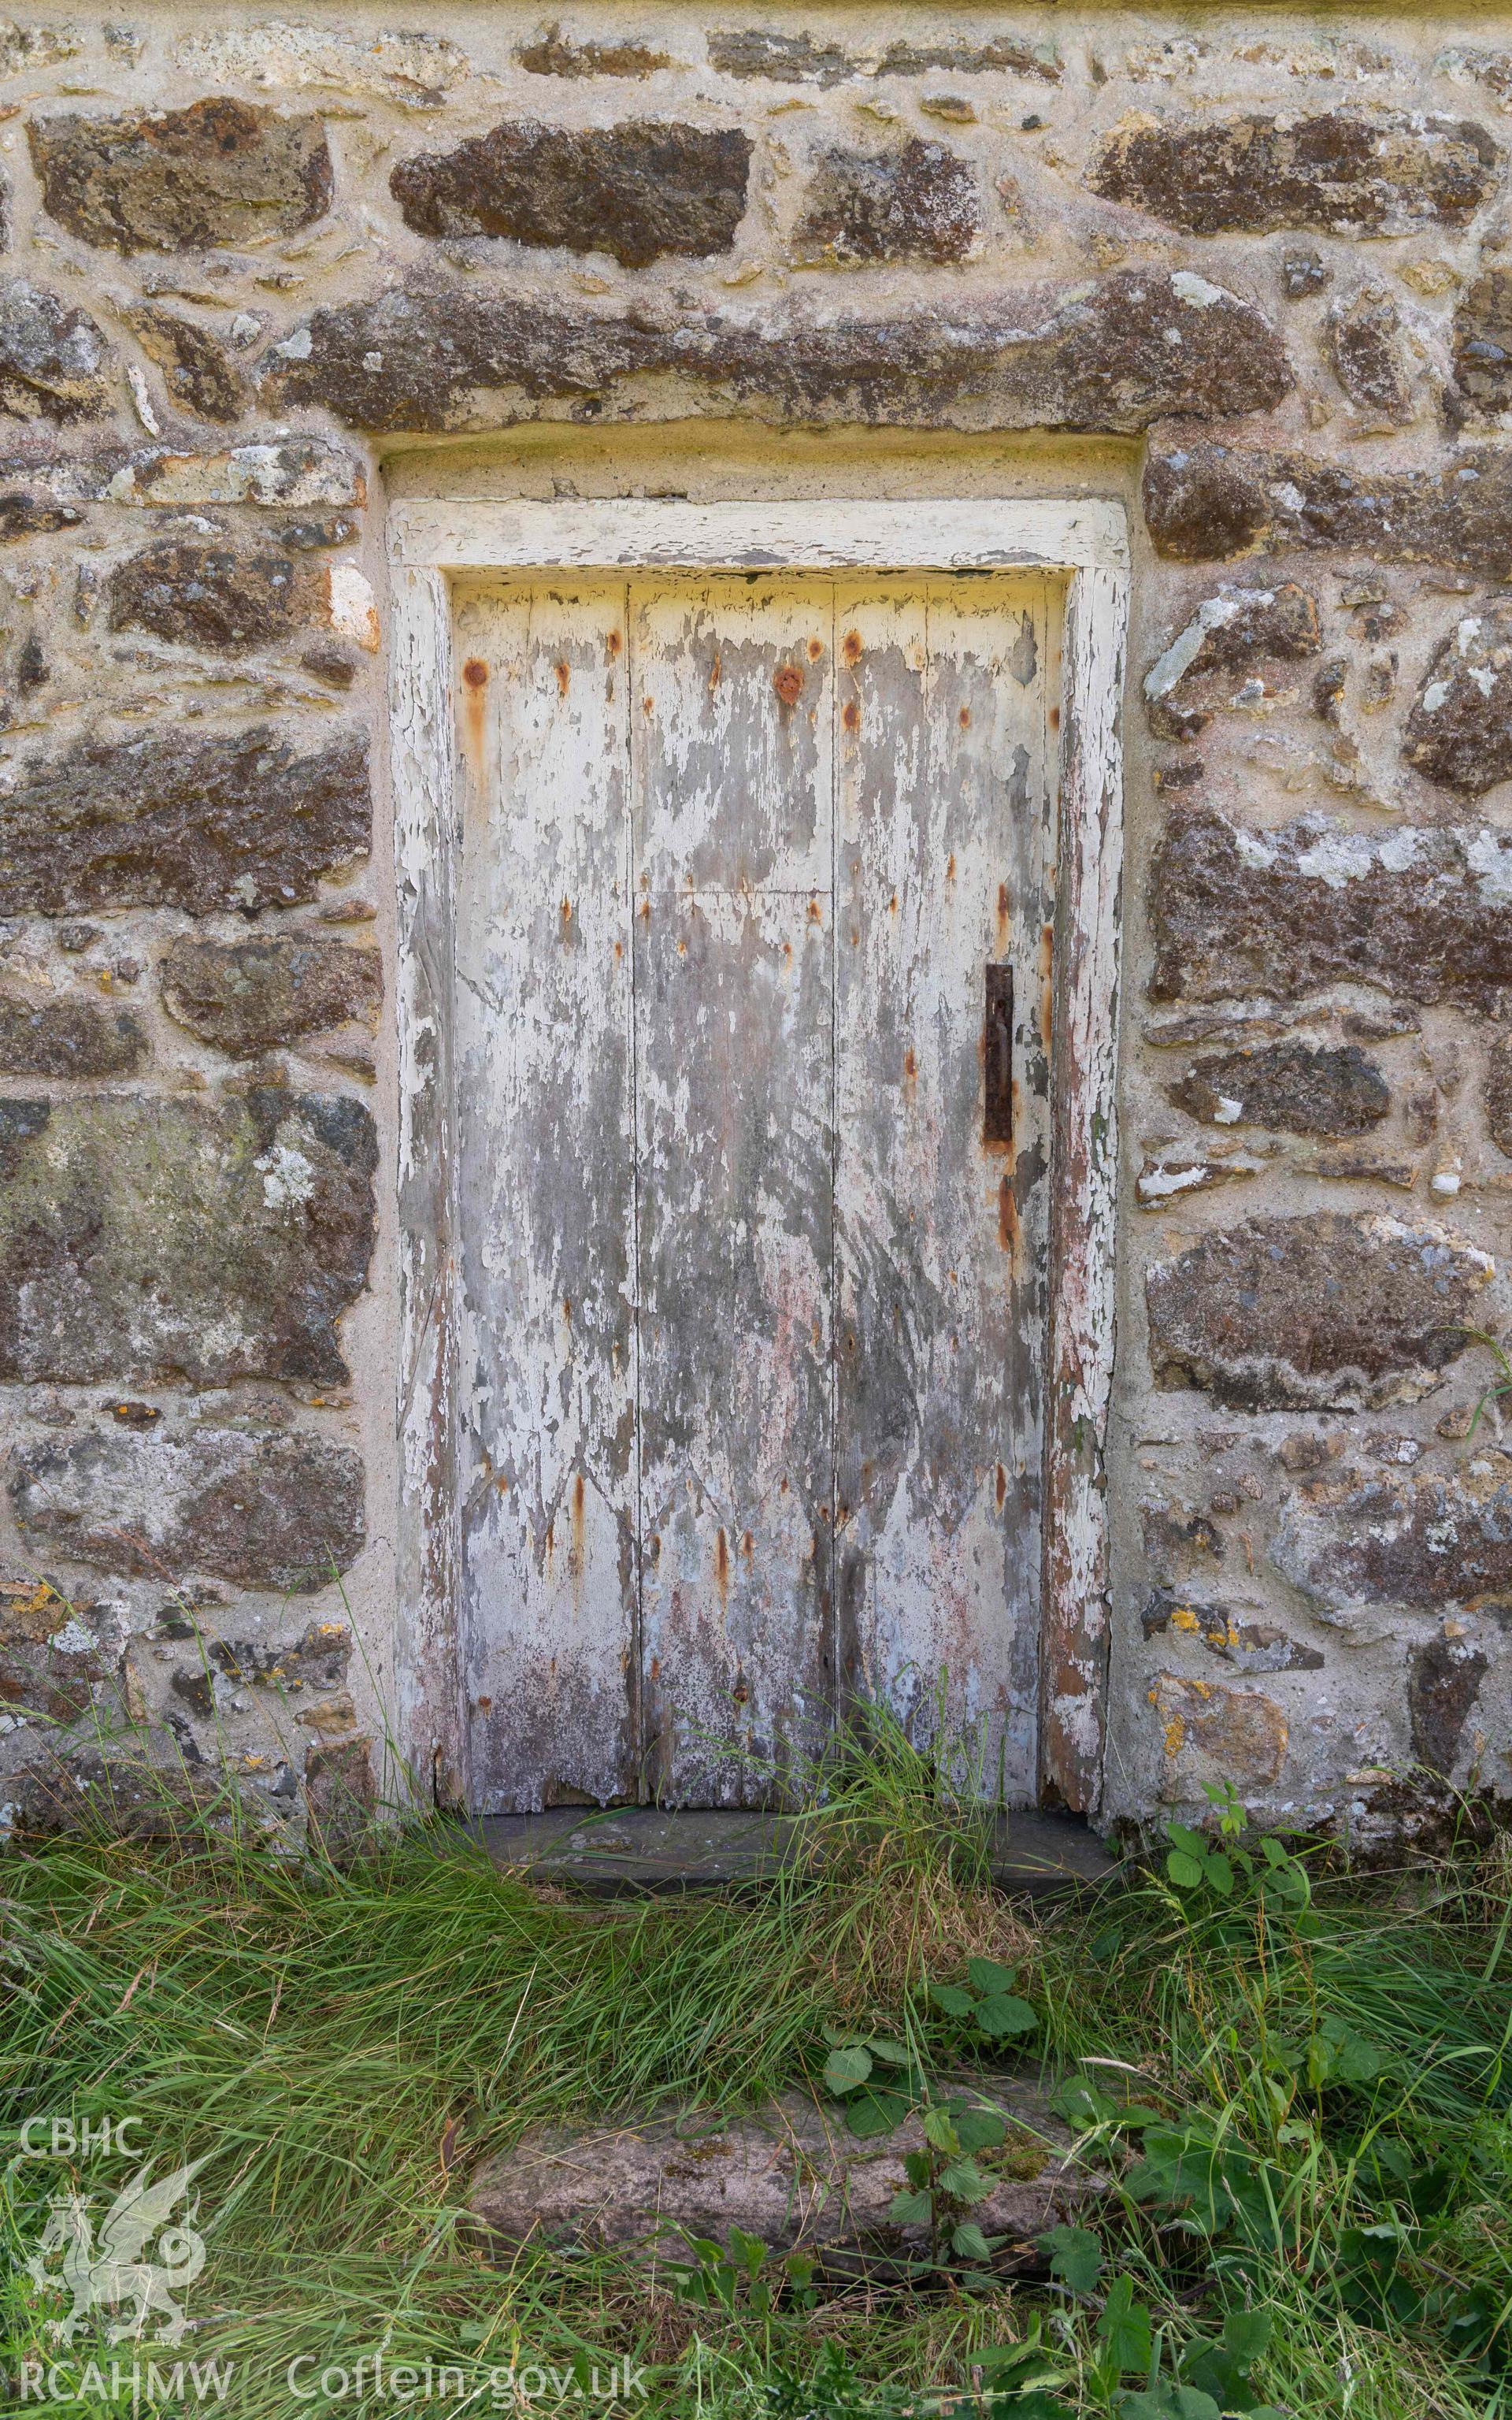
790,2173
630,1850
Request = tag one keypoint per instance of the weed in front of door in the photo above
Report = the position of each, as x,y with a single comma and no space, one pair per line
1294,2078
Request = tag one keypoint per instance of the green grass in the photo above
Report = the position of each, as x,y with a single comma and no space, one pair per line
340,2048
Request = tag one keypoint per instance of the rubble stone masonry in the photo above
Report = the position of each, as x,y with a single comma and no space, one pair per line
1249,270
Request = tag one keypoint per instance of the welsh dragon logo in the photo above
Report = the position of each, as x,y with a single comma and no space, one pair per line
113,2271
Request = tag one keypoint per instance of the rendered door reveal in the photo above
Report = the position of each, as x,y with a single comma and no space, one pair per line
752,1069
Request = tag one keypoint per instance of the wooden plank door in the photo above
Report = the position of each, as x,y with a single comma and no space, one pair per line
546,1441
941,824
754,1287
733,754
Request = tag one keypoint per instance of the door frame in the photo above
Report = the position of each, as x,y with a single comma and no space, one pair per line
431,542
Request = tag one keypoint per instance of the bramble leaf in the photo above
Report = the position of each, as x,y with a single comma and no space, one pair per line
871,2112
1075,2256
848,2065
968,2242
986,1976
1123,2328
980,2130
1003,2014
953,1999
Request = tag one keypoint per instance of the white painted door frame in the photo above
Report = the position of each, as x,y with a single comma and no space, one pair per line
432,542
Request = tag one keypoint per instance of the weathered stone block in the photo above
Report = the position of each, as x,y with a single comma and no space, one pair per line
1293,1086
1498,1093
1212,1732
154,1239
1321,1311
298,472
415,70
341,1795
52,358
219,172
1204,502
1443,1684
1459,730
267,1509
1233,632
200,372
1481,341
60,1688
635,191
28,517
787,2173
210,595
223,597
251,996
237,822
1425,913
317,1659
552,54
1000,53
1343,172
26,48
1248,1646
68,1037
758,52
915,202
1117,354
1304,272
1430,1545
122,1794
1364,345
1178,1545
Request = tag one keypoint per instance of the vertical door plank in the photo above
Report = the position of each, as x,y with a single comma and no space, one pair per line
546,1369
942,800
732,700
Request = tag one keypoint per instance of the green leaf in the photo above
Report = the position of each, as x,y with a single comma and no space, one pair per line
986,1976
1181,1836
1075,2256
1184,1870
1082,2101
1123,2328
891,2054
1165,2402
918,2167
871,2112
1220,1874
980,2130
911,2209
848,2065
748,2249
1223,2369
953,1999
939,2129
968,2242
964,2181
1337,2055
1106,1946
1003,2014
1016,2366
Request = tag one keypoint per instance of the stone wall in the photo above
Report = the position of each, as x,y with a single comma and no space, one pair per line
1252,271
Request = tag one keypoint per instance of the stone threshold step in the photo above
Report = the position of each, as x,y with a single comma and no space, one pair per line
789,2172
624,1850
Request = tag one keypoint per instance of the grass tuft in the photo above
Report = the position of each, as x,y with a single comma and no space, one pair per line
340,2047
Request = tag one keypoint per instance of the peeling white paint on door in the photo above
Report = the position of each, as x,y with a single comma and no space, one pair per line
751,1352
